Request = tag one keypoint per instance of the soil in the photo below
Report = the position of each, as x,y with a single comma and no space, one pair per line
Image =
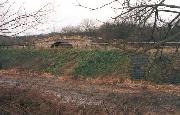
33,93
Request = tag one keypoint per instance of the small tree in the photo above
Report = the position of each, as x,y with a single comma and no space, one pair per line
88,27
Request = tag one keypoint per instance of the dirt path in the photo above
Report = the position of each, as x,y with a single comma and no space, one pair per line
68,68
79,97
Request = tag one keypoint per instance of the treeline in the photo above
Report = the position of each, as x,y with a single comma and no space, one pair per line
20,40
107,32
23,40
125,31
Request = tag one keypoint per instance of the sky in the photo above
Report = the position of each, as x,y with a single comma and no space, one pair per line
66,12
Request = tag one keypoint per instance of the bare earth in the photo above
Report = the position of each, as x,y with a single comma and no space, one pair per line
34,93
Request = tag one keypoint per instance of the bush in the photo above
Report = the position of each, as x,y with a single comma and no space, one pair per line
162,70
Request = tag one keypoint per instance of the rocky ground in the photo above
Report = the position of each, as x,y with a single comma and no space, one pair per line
36,93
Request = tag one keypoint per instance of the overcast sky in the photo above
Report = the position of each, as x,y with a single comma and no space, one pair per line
66,12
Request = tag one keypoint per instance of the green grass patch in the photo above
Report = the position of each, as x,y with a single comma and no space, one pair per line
95,63
49,60
89,63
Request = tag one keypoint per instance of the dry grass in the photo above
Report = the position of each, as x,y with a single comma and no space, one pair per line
38,94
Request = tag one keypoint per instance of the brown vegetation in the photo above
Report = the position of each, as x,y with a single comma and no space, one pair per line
33,93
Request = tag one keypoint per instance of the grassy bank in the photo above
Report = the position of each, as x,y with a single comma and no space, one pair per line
37,60
88,63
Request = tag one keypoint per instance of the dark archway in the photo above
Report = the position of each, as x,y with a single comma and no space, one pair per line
61,45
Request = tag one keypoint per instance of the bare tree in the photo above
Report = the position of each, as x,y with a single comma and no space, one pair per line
14,21
145,12
88,25
71,30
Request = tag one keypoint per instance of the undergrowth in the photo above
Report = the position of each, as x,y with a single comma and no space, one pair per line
89,63
49,60
98,63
